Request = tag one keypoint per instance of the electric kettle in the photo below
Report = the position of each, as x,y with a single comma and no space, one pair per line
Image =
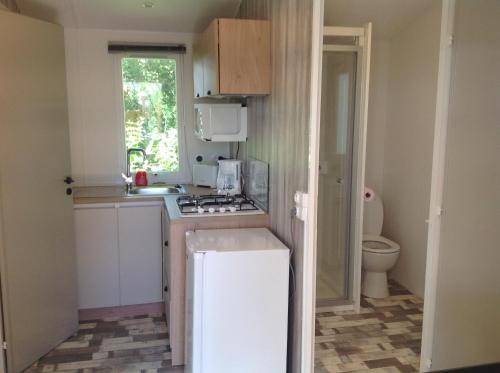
229,177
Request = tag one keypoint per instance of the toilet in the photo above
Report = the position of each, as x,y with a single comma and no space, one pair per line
379,253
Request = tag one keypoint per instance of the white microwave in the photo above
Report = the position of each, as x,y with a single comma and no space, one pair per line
221,122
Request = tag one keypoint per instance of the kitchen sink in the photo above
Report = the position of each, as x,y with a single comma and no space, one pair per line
157,190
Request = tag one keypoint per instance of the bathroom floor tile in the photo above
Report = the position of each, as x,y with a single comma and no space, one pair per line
384,337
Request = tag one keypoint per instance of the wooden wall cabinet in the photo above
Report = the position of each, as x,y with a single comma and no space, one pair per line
233,57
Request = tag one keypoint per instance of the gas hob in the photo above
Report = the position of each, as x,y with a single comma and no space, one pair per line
217,205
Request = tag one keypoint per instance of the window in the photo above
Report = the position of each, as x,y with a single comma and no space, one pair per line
150,105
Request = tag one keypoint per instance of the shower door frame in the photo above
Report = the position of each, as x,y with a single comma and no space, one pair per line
350,244
310,229
362,48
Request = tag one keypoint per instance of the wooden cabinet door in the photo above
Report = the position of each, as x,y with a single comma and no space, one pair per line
244,56
198,74
210,43
96,231
140,260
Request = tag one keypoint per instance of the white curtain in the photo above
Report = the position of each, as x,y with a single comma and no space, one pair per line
10,4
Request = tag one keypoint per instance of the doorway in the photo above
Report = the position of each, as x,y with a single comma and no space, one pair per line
341,165
402,115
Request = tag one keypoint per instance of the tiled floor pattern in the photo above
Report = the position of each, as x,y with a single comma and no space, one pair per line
131,344
384,337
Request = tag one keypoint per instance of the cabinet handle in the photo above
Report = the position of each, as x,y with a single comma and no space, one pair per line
165,289
166,243
197,95
209,93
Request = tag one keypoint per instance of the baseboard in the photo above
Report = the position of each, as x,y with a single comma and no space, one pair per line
335,306
121,311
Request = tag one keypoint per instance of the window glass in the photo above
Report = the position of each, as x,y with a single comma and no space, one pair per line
150,105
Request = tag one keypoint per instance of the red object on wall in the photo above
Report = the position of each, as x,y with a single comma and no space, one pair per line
141,178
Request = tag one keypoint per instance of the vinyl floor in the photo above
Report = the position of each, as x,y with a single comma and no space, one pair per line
129,344
384,337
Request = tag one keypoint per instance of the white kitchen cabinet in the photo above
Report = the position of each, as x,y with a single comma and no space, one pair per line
139,241
166,261
119,254
96,233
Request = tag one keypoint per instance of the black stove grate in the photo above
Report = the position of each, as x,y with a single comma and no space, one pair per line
190,204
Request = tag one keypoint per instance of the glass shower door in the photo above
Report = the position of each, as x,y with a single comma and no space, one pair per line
335,174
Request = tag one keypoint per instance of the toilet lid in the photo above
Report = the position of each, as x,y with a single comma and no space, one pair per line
380,245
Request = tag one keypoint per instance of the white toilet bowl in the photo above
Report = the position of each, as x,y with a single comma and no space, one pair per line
379,253
379,256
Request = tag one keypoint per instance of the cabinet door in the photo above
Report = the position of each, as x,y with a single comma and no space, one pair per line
140,254
165,225
198,69
244,56
96,231
210,43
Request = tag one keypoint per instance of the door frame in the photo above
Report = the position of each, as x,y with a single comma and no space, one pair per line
437,180
357,162
310,223
310,229
3,355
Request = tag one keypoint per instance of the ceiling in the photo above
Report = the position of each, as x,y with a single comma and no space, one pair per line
387,16
164,15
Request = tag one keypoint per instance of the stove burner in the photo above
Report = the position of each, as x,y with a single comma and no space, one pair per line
210,204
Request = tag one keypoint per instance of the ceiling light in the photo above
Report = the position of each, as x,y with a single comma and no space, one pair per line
148,4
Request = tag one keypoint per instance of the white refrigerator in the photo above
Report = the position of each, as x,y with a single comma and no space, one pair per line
236,301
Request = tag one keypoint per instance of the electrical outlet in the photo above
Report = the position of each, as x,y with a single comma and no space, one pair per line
300,199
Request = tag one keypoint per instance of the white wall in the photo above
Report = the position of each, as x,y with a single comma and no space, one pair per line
96,128
411,99
467,310
377,115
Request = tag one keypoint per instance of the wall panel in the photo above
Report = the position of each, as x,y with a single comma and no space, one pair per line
409,132
278,129
96,127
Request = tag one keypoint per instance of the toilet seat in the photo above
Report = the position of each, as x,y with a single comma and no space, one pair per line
379,245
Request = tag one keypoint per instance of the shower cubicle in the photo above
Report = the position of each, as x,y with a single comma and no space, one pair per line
344,87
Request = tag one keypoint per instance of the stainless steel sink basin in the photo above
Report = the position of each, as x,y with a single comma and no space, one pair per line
157,190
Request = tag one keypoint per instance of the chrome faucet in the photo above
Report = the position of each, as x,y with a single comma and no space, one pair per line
128,176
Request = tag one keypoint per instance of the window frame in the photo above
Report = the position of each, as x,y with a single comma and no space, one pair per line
182,175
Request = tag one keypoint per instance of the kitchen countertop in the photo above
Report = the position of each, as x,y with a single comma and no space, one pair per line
117,193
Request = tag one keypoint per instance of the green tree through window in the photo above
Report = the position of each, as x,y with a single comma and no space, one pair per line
150,104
